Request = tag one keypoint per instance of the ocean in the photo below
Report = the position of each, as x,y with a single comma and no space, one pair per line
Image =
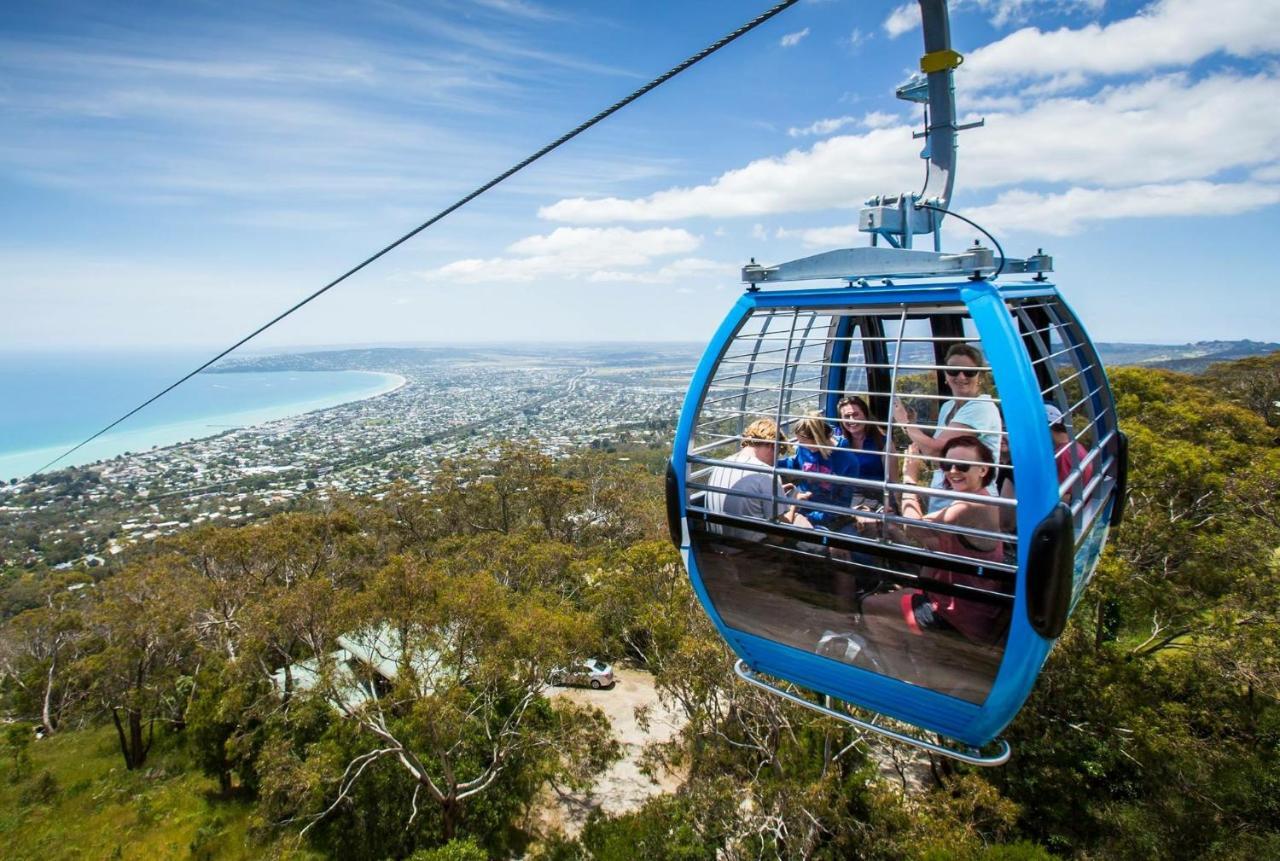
51,401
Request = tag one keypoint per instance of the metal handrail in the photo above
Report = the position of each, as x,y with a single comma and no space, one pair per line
970,755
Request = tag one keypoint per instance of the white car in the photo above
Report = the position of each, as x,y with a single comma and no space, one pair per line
592,671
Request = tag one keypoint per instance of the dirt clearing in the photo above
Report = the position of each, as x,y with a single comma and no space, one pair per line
622,787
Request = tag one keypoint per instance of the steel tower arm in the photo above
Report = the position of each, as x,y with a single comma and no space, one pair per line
937,63
899,217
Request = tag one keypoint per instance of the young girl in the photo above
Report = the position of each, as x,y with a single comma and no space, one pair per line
816,455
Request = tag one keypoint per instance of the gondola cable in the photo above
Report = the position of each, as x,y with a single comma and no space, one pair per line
976,226
565,138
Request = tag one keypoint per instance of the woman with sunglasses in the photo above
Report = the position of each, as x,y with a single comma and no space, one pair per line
895,619
970,411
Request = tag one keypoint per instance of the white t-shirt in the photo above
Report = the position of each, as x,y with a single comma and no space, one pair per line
983,416
744,481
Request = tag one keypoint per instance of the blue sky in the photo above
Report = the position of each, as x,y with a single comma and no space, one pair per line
176,173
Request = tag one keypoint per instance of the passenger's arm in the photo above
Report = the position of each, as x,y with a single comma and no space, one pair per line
1008,516
927,444
904,418
912,506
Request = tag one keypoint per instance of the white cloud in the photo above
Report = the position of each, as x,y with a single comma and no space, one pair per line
792,39
617,244
254,111
1009,11
1160,131
685,269
902,19
969,103
1066,213
841,236
1166,34
880,119
817,178
758,232
520,9
822,127
857,39
1061,214
1165,129
569,252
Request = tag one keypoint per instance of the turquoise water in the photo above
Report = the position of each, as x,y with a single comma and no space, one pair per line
49,402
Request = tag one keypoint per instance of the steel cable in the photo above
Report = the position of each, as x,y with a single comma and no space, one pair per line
566,137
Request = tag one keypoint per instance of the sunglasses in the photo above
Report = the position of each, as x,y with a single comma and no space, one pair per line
948,465
967,373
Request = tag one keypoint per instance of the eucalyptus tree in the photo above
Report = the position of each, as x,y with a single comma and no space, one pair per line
39,647
142,618
448,680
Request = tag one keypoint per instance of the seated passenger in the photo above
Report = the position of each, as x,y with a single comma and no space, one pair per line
1005,487
969,412
977,621
865,443
1067,453
894,621
753,489
816,455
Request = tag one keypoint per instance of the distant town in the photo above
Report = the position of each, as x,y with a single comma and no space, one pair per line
455,401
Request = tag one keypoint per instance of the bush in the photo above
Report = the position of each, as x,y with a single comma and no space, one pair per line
43,789
455,850
17,741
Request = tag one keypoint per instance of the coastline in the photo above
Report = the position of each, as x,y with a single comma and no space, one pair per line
19,464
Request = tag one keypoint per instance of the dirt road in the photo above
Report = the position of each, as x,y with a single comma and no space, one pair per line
622,787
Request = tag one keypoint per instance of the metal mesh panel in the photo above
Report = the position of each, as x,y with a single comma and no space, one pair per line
786,364
1073,381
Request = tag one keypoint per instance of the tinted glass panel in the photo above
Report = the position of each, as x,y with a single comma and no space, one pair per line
862,609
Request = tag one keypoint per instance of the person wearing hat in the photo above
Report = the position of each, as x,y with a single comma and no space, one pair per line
1067,453
1063,450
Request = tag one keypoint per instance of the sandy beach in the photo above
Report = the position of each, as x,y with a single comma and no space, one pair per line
19,464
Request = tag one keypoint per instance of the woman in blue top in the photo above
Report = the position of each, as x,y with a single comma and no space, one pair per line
863,441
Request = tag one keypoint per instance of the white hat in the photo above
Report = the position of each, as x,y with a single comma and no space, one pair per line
1053,414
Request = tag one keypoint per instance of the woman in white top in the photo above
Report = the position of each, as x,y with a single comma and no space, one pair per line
968,412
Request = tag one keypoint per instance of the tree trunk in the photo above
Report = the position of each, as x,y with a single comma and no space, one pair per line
131,745
46,710
449,812
139,753
124,743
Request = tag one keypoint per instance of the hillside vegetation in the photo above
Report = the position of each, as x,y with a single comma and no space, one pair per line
202,701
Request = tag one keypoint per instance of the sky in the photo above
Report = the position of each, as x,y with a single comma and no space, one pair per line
175,174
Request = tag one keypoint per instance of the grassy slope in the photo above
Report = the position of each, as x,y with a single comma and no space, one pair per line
100,810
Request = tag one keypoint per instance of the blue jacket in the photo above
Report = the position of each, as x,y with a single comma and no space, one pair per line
870,461
827,492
